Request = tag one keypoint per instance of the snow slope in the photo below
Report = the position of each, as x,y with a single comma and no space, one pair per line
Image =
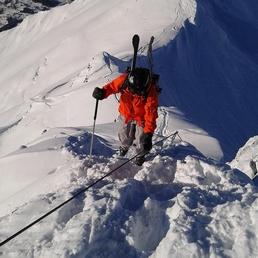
184,202
12,12
212,67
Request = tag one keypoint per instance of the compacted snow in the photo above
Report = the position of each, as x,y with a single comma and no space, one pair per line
192,197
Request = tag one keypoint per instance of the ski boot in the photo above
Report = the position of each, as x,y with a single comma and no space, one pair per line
139,160
122,151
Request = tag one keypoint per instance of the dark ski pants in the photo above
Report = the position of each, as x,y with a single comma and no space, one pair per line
131,134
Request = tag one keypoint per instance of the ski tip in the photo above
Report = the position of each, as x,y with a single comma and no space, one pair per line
135,39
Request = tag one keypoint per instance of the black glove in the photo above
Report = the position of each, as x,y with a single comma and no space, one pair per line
98,93
147,141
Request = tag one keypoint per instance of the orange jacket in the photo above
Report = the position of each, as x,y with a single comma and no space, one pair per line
134,107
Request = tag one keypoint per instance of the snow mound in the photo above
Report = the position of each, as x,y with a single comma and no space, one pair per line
167,208
245,155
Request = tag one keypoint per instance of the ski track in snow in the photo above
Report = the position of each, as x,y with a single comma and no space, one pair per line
6,128
68,86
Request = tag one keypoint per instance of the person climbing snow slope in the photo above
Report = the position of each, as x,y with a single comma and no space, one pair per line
138,109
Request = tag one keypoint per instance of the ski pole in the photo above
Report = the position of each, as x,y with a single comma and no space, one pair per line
94,124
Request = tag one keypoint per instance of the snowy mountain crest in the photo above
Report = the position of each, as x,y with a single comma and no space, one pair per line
185,201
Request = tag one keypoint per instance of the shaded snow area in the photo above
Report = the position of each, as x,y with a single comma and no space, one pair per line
194,196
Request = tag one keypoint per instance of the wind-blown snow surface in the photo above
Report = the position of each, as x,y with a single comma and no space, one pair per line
184,202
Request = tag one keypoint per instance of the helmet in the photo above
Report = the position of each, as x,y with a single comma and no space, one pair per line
138,81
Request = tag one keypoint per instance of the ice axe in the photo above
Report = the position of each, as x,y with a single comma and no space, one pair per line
94,124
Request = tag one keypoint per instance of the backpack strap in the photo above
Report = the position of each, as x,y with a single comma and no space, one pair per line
125,84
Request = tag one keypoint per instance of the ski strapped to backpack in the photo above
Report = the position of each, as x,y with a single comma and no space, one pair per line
154,77
135,42
147,72
149,55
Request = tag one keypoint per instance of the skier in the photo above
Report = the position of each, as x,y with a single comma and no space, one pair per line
138,109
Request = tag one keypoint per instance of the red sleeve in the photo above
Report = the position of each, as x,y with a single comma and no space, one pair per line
151,110
114,86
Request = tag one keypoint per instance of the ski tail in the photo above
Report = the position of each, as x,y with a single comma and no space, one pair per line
135,42
154,77
149,55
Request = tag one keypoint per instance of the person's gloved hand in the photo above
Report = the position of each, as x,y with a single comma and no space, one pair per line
147,141
98,93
